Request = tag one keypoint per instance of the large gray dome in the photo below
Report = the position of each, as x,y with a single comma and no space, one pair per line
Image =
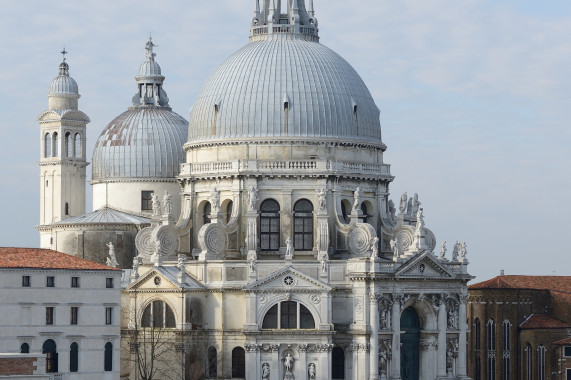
143,142
246,97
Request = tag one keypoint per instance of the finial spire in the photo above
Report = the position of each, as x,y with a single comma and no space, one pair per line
64,67
63,53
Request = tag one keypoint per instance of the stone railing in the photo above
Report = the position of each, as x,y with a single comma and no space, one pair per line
315,167
305,32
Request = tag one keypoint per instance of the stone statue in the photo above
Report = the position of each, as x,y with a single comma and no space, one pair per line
324,260
383,362
136,264
252,257
252,198
455,252
415,204
402,207
374,247
409,208
156,205
463,250
451,318
321,195
167,204
392,210
156,256
288,363
265,371
357,202
289,249
112,260
311,371
395,249
443,251
215,201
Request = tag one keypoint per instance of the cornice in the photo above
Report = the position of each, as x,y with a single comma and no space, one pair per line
331,142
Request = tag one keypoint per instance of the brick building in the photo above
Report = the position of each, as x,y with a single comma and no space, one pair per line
517,324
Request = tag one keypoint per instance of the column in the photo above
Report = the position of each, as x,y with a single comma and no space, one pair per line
275,365
250,361
461,369
374,341
396,337
301,371
442,326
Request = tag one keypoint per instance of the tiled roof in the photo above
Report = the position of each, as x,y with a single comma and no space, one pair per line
542,321
560,284
563,341
45,259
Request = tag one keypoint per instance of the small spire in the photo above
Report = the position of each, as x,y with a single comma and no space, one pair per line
63,53
63,66
311,10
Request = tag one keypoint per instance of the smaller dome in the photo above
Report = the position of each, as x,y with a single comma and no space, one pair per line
63,85
149,68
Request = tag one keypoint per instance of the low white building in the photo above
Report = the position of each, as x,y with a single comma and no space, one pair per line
61,307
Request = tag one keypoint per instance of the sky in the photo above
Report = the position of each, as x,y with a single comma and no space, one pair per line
475,99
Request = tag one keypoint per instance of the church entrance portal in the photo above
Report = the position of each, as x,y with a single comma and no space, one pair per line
410,324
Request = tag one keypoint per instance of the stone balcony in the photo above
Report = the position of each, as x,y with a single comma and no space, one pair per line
314,168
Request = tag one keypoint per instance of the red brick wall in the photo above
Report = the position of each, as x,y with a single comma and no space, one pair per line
17,366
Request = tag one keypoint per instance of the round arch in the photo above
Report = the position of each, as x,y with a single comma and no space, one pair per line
148,303
283,297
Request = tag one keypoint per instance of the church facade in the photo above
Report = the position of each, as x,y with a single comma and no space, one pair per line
284,256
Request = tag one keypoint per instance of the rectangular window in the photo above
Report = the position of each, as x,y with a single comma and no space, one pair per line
26,281
50,281
109,283
146,201
108,315
568,373
75,282
74,313
49,315
567,351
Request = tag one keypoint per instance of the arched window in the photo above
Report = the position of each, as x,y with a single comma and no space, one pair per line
206,211
270,225
25,348
477,347
238,362
364,209
528,362
303,225
55,145
66,208
344,207
286,315
338,363
229,208
77,145
47,145
158,315
50,350
108,357
68,145
491,347
73,357
477,334
541,362
212,362
506,357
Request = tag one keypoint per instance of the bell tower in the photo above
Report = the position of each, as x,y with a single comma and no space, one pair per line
62,161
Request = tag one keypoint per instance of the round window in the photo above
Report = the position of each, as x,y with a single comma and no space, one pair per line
288,280
157,280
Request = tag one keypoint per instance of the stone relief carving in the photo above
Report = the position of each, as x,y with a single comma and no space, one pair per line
322,200
385,313
112,259
357,200
311,371
324,260
252,198
156,205
215,201
402,207
167,204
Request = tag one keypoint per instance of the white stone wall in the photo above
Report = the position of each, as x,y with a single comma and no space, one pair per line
23,311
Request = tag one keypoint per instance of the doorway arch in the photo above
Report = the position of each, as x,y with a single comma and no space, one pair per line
410,324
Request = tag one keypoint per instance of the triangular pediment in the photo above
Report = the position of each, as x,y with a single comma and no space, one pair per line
164,279
423,265
288,279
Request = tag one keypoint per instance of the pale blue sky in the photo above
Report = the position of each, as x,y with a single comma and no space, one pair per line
475,98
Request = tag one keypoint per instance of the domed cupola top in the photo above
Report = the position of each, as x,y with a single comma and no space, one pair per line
150,81
297,22
64,85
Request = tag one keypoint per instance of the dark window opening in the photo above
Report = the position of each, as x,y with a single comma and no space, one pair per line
50,281
108,315
365,212
158,314
238,362
109,283
146,200
66,208
567,351
50,350
229,209
77,145
270,225
303,225
271,318
25,348
68,145
212,362
477,333
75,282
47,146
55,145
26,281
288,315
108,360
73,357
285,315
338,363
206,211
74,314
